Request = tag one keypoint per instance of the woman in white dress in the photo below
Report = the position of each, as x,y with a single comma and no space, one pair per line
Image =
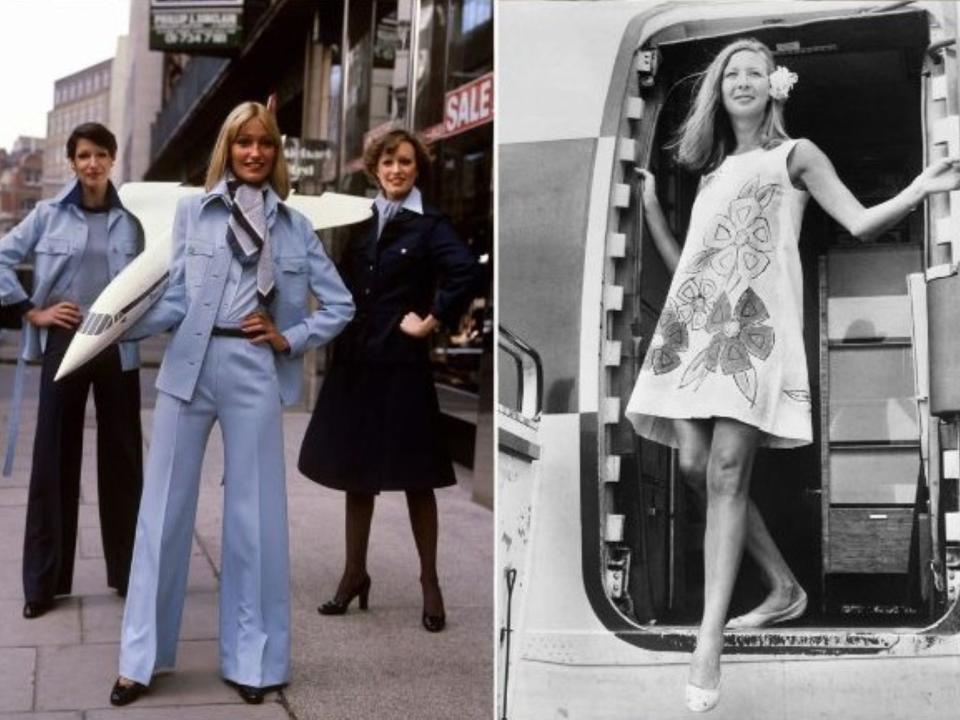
725,372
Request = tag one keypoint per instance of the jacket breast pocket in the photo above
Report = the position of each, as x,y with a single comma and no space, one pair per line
292,272
53,246
128,246
401,260
197,260
50,256
121,253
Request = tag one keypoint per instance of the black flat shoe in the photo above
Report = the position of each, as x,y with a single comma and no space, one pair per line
35,609
126,694
434,623
339,607
249,694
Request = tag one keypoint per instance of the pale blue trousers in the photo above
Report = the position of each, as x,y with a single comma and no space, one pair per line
238,388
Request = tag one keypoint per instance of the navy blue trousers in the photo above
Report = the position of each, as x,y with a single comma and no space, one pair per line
51,530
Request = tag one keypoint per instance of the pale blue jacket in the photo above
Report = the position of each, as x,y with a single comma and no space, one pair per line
54,234
198,274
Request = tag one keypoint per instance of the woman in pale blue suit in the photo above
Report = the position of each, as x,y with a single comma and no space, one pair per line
243,263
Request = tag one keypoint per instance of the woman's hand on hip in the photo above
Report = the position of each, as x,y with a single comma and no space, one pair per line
416,326
63,314
259,326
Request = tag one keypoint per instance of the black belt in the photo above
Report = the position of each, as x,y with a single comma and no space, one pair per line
228,332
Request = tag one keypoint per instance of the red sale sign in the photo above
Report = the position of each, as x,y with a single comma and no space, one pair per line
468,106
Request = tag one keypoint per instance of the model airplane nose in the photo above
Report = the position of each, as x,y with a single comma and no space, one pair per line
81,348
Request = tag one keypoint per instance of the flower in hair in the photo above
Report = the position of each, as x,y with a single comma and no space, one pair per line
781,83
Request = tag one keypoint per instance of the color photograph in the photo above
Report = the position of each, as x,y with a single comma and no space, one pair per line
259,233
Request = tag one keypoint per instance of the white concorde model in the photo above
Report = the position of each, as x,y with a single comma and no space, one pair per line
142,282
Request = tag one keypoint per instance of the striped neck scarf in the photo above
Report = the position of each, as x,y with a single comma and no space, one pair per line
248,237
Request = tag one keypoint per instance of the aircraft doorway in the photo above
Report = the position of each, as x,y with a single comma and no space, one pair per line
847,511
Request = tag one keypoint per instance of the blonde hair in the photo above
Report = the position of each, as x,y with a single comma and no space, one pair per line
706,137
220,157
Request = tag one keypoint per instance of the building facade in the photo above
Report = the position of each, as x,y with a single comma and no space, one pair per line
83,96
138,80
21,186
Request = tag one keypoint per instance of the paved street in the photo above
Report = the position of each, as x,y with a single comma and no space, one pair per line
375,664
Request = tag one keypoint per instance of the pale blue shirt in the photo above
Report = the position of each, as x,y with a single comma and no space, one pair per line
239,294
412,202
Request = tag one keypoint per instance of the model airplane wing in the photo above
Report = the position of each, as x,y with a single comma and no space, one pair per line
332,209
141,283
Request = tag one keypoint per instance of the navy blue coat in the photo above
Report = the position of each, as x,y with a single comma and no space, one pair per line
377,424
420,265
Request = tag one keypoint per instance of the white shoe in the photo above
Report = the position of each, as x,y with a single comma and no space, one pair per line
756,619
700,699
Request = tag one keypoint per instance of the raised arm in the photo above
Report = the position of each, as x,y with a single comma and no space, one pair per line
663,237
812,170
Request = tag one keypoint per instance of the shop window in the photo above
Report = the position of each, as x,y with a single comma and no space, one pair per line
471,43
475,14
431,64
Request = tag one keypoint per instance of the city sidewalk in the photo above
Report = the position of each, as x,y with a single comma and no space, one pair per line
377,664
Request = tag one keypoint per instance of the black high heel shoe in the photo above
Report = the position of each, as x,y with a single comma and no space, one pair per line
339,607
434,623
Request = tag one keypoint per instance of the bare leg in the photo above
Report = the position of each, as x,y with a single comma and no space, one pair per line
359,514
422,507
694,439
783,584
732,451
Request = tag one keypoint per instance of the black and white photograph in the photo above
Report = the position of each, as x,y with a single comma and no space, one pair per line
728,385
246,359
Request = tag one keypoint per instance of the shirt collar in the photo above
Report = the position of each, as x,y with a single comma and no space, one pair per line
412,202
72,194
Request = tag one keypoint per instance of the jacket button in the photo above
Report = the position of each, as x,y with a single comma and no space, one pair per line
366,291
371,267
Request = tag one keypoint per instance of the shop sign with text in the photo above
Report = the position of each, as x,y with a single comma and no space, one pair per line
468,106
196,26
310,159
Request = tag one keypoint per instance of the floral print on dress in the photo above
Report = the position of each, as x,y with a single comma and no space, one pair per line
693,300
737,244
730,341
738,335
800,396
669,341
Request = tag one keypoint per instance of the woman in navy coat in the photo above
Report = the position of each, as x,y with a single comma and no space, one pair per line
377,425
